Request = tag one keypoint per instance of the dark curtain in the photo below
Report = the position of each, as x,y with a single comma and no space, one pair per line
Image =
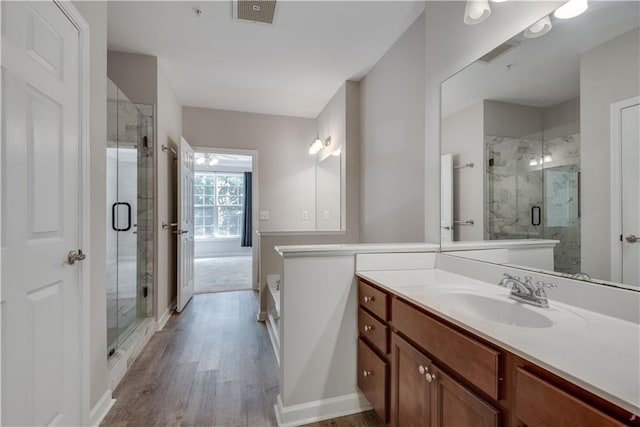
246,236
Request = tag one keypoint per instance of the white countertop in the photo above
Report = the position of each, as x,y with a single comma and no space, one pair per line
498,244
597,352
350,249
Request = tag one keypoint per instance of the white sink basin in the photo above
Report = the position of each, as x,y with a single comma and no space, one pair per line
494,309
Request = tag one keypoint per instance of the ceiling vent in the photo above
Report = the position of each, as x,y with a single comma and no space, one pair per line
254,10
500,50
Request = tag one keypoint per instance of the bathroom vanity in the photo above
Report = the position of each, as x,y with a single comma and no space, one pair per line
435,348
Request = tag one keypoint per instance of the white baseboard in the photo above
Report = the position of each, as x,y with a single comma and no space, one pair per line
273,337
262,316
120,362
164,318
320,410
98,412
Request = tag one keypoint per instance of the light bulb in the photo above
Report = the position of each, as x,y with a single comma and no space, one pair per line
571,9
547,158
213,161
199,160
538,29
533,162
476,11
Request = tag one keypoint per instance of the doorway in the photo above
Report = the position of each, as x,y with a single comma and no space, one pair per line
223,203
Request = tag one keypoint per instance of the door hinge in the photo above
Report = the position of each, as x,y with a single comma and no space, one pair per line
145,291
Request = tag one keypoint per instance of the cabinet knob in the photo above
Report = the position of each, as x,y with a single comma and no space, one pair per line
366,374
368,299
430,377
367,328
423,369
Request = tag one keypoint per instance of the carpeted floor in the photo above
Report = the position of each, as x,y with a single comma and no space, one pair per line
230,273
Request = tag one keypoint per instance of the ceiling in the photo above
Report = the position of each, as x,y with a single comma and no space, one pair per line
544,71
292,67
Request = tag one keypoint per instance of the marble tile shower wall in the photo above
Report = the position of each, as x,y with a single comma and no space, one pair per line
514,186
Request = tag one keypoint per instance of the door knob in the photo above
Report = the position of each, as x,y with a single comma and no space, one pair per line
366,374
368,328
367,299
423,369
430,377
74,256
632,239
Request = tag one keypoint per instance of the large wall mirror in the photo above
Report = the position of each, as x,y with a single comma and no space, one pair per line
540,149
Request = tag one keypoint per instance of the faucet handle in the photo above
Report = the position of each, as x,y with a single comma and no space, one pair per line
528,280
540,286
509,276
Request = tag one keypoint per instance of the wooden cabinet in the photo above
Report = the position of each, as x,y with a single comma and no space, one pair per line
418,369
424,395
373,378
410,391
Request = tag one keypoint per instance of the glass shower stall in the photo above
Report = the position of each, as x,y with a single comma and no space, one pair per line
130,215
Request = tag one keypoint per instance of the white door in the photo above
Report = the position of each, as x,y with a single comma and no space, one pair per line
185,224
41,328
630,175
446,198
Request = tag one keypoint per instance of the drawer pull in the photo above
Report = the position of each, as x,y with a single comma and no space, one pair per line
368,299
367,374
367,328
430,377
423,369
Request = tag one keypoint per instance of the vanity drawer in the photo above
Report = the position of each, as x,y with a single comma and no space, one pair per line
373,378
471,359
373,300
539,403
373,330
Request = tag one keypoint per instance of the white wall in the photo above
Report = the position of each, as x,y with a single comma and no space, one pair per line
463,136
450,46
169,132
392,194
608,73
95,13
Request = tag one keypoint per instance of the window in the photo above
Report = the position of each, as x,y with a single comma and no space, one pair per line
218,198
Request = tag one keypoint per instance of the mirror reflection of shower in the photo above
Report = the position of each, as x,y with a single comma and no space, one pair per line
129,215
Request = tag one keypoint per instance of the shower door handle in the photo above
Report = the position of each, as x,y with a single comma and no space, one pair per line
535,209
632,239
114,221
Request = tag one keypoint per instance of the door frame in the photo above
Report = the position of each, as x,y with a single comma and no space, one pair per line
255,250
84,104
616,185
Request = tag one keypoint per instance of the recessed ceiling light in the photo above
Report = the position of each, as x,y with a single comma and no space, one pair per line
476,11
538,29
571,9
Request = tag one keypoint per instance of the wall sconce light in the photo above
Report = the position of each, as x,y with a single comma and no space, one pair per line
538,29
318,144
209,159
571,9
476,11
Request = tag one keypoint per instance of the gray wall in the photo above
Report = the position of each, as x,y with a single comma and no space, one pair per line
463,136
450,46
608,73
392,196
135,75
286,172
512,120
95,13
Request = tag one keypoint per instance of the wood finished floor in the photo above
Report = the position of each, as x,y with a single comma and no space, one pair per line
211,365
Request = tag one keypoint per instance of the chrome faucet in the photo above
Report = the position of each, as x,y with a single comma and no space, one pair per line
526,291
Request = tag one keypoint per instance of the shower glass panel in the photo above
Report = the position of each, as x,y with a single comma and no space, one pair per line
514,188
533,191
129,215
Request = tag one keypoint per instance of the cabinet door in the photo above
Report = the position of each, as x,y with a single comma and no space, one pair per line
410,391
372,378
457,406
